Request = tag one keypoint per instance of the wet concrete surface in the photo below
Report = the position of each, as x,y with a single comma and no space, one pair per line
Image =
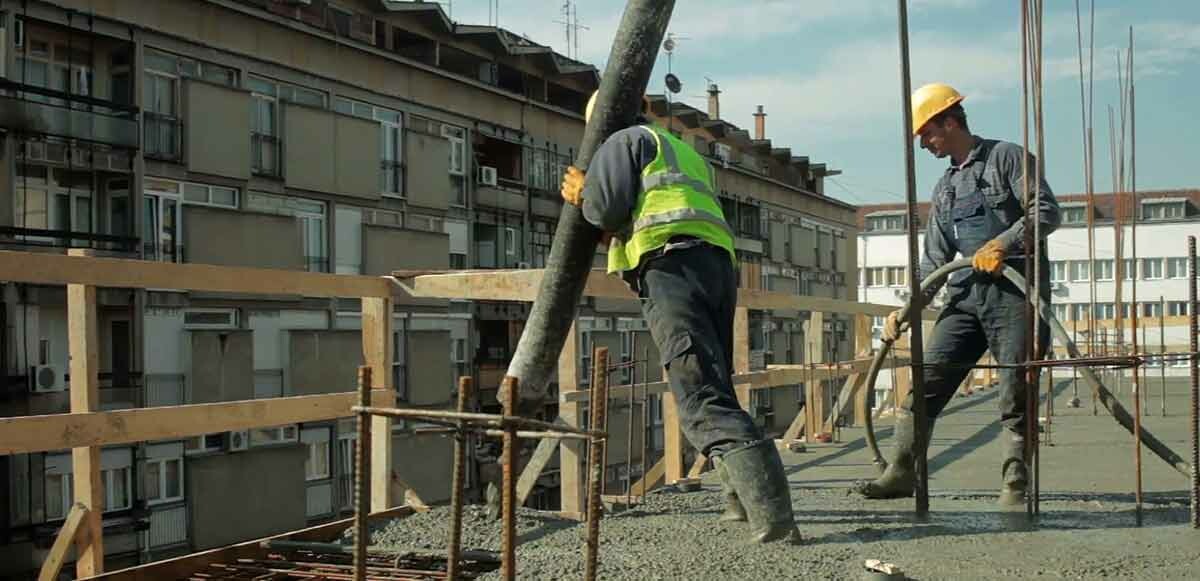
1087,527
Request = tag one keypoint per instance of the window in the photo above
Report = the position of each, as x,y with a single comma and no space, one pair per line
399,363
115,477
1079,312
264,131
1177,267
391,142
206,195
1074,215
273,435
347,232
888,223
457,137
160,98
205,443
1152,268
1079,271
310,218
52,198
1177,308
162,238
1105,311
1104,269
1061,312
210,319
1058,271
1152,309
897,276
316,465
1162,210
541,237
1130,267
163,480
510,242
458,350
876,277
458,261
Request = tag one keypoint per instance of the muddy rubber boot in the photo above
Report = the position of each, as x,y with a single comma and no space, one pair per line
755,473
900,478
734,511
1013,470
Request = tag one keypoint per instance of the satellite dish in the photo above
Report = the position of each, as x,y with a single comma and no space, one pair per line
669,44
673,84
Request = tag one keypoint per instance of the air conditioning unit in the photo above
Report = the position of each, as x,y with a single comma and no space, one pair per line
487,175
723,152
239,440
46,379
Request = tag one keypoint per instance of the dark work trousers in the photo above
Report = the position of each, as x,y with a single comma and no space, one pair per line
688,297
981,313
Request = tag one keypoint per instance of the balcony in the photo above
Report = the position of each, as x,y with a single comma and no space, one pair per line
68,239
48,112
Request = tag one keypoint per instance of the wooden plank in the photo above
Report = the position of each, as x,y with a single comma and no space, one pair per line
56,269
20,435
741,354
697,466
84,350
796,428
650,479
672,437
846,399
571,451
814,389
523,285
377,353
184,566
66,537
537,463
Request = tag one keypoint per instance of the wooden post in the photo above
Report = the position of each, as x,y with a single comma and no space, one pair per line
672,437
54,560
862,345
741,353
570,450
85,397
377,352
815,393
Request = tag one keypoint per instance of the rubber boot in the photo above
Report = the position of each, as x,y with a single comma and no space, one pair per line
734,511
755,473
900,478
1013,470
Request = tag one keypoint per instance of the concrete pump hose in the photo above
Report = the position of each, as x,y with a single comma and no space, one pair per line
934,282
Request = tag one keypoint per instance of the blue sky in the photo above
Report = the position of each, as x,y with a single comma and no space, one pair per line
827,73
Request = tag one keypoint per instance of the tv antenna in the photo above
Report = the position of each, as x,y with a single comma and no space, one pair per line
571,23
672,82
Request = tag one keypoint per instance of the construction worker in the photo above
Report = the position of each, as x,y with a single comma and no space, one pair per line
654,197
978,210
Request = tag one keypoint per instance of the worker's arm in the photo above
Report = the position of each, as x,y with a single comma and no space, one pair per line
938,251
1009,163
614,178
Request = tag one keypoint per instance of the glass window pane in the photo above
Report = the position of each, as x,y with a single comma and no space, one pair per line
118,492
61,217
151,481
174,481
260,86
54,496
195,193
343,106
224,196
159,61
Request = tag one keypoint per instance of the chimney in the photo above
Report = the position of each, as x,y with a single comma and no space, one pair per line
760,124
714,102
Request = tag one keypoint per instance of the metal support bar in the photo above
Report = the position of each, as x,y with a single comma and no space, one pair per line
599,412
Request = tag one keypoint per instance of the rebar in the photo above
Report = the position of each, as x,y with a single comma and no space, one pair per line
629,432
914,283
456,490
599,409
508,494
647,429
361,467
475,420
1162,352
1050,406
1193,306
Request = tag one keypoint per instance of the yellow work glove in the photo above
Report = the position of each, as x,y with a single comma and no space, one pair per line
990,258
572,186
893,327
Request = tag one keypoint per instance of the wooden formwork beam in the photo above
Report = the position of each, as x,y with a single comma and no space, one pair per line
67,535
83,339
377,353
571,451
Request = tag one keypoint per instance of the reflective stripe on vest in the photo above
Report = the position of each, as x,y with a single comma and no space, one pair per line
672,202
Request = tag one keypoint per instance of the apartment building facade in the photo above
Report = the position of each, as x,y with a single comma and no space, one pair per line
1165,219
352,137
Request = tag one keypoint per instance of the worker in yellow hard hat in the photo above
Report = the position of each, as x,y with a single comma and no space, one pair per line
656,197
978,210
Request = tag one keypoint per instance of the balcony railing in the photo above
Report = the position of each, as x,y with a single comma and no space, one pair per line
48,112
69,239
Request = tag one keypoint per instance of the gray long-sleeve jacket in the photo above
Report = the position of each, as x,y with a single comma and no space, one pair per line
996,168
614,178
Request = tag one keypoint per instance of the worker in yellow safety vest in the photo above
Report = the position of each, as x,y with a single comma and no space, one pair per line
655,198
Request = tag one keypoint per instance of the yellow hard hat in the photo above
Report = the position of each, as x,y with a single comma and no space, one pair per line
930,100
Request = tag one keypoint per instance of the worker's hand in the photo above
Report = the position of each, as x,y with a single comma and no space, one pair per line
893,327
572,186
990,258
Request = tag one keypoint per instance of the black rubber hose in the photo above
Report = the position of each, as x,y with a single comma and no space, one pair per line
573,250
929,287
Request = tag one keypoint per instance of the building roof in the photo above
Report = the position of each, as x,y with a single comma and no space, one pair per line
1106,204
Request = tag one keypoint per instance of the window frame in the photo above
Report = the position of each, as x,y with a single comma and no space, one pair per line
162,480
